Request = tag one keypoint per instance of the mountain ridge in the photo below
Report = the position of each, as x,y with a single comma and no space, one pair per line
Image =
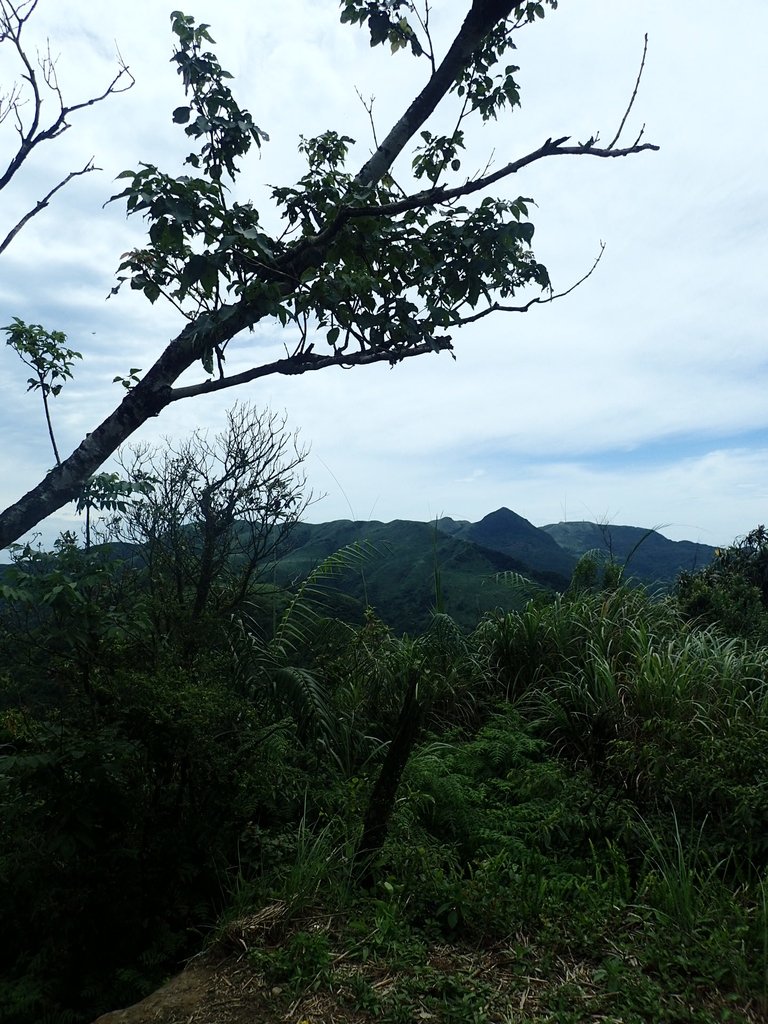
461,567
468,562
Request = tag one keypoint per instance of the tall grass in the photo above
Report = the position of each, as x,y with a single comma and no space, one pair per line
668,715
676,875
762,933
626,659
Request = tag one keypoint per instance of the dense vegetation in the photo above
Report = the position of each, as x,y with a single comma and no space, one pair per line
576,799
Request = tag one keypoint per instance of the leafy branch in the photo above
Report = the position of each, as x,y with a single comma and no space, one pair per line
45,353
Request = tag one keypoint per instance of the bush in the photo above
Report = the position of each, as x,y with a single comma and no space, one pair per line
731,592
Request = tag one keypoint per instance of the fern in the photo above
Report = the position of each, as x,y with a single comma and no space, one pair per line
304,610
441,798
271,667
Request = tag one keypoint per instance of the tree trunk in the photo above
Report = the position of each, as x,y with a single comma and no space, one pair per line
382,799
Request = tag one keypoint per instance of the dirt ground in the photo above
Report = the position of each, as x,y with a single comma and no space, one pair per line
225,986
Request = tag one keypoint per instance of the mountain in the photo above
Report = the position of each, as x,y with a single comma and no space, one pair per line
649,557
398,579
507,532
408,563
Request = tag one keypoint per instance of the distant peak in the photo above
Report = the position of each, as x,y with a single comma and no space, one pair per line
503,512
505,515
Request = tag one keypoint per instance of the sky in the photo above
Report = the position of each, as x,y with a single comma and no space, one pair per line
641,398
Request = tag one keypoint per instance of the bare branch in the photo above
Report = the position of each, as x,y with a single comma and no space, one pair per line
31,131
34,135
498,307
434,197
616,137
42,203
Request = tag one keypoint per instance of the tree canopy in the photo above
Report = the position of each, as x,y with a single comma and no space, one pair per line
376,264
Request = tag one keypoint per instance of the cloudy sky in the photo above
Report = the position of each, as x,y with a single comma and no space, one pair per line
641,398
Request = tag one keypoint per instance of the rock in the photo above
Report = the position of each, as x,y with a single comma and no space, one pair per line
177,999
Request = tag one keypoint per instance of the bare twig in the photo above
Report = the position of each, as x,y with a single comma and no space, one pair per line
42,203
31,130
424,22
368,107
615,139
497,307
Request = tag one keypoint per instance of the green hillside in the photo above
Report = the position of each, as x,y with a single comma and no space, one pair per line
411,567
650,557
398,579
408,565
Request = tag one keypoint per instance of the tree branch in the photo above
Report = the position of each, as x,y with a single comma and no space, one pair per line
307,361
498,307
42,203
64,482
437,196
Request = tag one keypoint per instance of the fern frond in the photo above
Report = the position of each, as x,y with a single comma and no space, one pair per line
270,666
307,699
302,611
